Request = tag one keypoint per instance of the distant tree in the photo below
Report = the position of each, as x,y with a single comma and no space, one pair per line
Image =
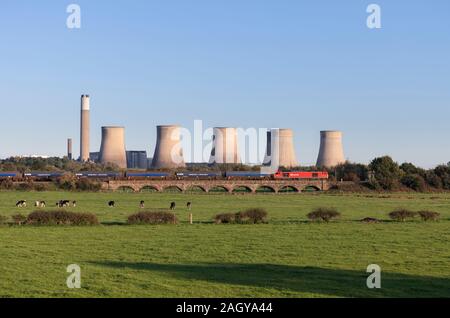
355,172
443,172
386,172
409,168
414,181
433,180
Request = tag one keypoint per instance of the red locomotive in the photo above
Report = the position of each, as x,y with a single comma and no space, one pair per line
301,175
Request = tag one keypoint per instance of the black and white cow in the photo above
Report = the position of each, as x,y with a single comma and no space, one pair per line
21,204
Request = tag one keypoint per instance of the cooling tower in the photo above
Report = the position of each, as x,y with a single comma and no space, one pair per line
331,151
168,151
112,149
84,135
69,148
280,148
225,146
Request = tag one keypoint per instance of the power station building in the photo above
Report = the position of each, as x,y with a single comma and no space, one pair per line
280,148
84,128
331,151
225,148
112,148
137,159
168,151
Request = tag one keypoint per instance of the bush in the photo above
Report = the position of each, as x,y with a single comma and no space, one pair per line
252,216
88,185
6,184
429,215
149,217
402,215
61,217
19,219
25,186
370,220
225,218
324,214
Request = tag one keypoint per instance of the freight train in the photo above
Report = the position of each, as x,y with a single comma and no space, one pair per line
149,175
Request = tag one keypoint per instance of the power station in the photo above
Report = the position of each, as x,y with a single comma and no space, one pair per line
331,151
112,148
225,148
84,128
280,148
168,151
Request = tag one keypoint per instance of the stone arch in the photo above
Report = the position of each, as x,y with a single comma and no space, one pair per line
265,189
196,189
149,188
125,189
173,189
242,189
288,189
311,188
219,189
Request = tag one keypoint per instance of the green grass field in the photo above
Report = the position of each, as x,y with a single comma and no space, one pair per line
289,257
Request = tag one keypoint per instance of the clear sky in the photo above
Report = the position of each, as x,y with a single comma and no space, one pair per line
307,65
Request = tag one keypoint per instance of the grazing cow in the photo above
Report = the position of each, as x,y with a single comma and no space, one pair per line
173,205
189,205
63,203
111,204
74,204
21,204
142,204
40,204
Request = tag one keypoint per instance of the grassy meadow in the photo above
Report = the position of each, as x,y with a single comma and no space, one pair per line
289,257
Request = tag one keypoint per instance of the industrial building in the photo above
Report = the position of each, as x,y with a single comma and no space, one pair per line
331,151
168,151
225,146
137,159
112,148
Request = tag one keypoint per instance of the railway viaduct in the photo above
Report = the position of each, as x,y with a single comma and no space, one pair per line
227,186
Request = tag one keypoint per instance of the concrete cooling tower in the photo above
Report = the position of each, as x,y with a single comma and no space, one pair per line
331,151
168,151
280,148
112,149
84,128
225,146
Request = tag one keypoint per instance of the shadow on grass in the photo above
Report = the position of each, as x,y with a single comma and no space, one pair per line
294,279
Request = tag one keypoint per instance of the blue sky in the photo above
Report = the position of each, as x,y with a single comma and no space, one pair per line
307,65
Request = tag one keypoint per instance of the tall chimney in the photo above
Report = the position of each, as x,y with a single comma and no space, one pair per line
84,135
69,149
168,151
112,149
331,151
225,146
